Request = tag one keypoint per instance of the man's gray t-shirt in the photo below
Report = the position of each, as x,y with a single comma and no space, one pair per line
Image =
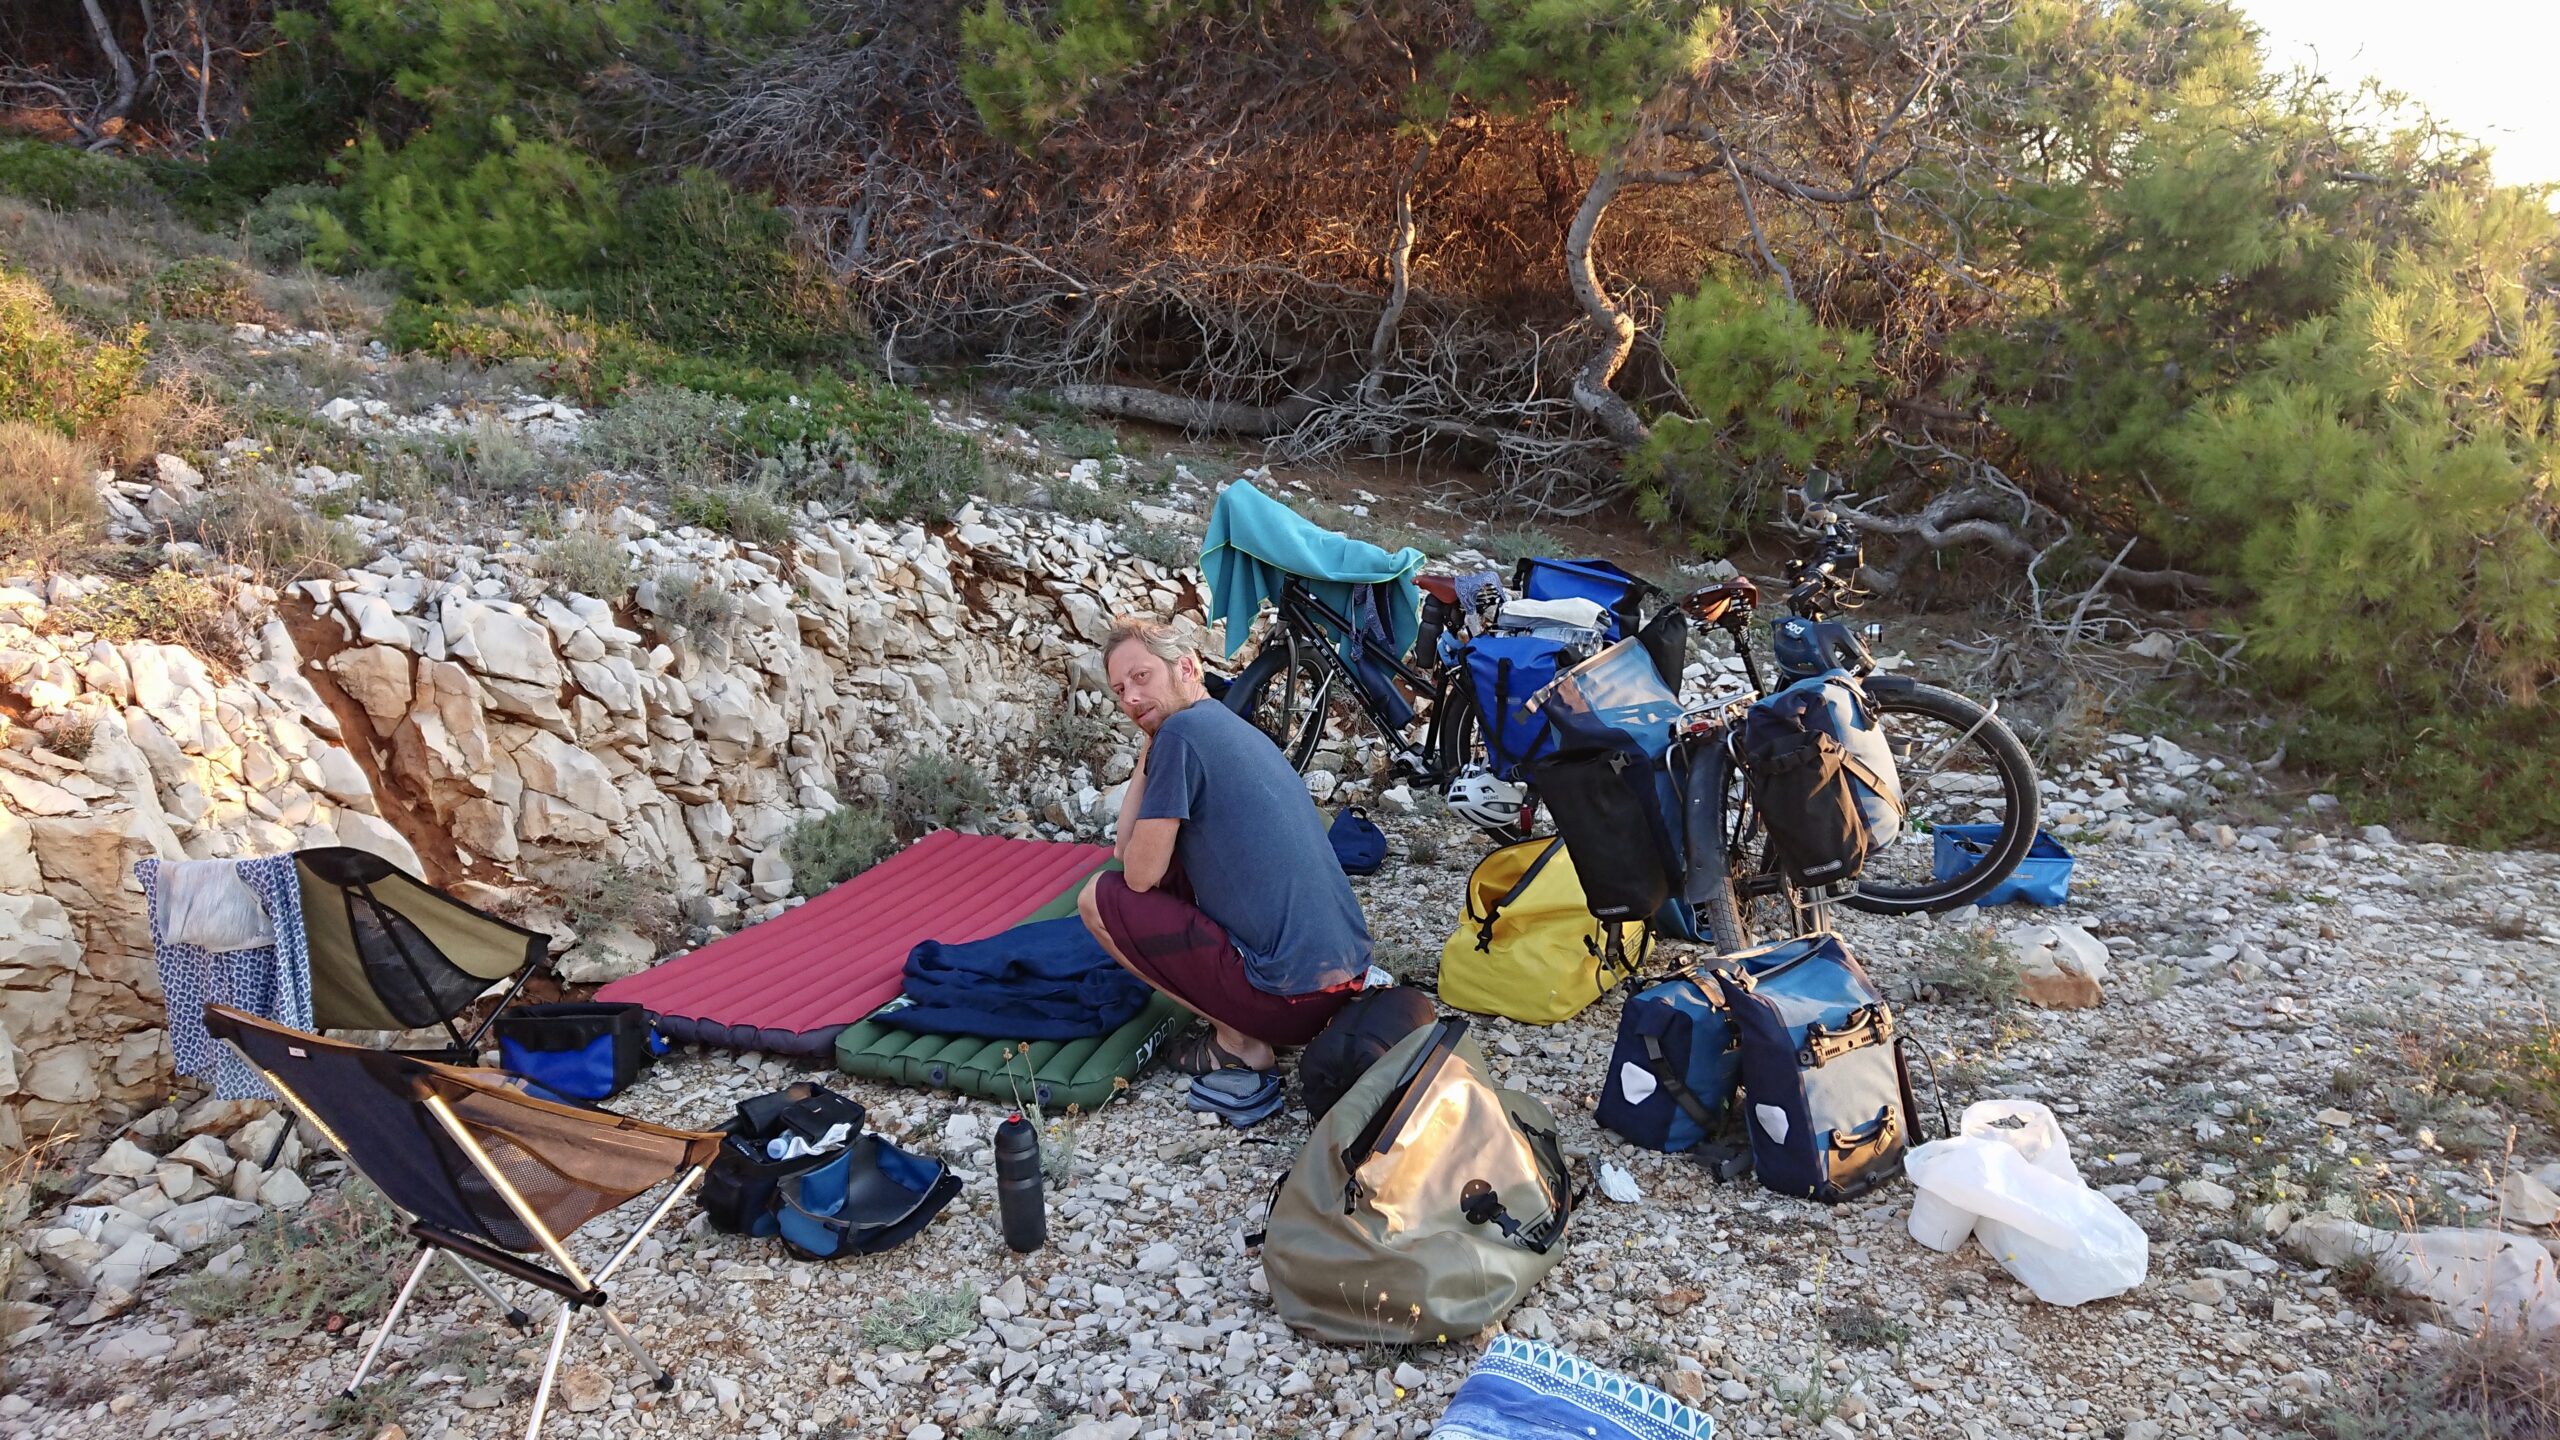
1255,851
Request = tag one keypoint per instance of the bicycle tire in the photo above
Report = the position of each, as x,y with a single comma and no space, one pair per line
1995,748
1732,921
1250,692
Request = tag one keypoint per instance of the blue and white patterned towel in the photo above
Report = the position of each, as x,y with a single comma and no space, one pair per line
1522,1390
272,981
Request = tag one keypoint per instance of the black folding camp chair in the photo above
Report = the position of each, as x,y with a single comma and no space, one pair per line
488,1174
391,952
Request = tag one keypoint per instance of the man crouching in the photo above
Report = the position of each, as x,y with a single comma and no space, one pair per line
1229,898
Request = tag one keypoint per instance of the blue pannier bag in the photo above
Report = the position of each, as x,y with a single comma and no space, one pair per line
1541,577
1822,777
1674,1069
1677,1064
871,1197
1506,673
589,1050
1826,1100
1613,789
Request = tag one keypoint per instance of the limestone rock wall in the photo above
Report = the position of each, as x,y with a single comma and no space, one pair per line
442,707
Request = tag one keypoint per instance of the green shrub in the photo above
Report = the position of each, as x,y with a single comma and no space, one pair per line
2488,778
264,530
1107,503
466,214
827,850
49,374
1772,392
671,434
1169,547
281,228
743,514
921,1319
700,611
931,791
46,498
202,287
168,607
1076,739
68,178
928,472
714,270
306,1266
588,561
608,894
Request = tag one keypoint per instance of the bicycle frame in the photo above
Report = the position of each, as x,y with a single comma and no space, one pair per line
1306,620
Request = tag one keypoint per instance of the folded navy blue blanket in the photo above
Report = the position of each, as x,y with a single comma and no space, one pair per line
1047,980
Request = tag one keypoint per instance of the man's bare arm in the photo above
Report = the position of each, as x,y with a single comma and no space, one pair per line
1146,851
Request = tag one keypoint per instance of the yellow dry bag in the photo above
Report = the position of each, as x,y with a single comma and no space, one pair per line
1529,948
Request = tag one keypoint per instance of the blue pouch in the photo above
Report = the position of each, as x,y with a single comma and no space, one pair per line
1242,1098
2043,878
590,1050
1357,841
1826,1100
871,1197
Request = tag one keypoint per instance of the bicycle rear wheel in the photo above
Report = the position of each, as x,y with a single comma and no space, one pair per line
1747,902
1958,765
1293,696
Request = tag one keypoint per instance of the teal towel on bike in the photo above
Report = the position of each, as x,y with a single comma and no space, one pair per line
1255,542
1047,980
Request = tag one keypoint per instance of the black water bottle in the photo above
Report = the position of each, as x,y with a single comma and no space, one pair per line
1018,1199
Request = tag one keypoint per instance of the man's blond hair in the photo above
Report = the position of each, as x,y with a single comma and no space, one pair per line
1162,640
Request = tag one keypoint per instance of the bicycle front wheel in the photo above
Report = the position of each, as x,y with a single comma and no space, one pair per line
1957,765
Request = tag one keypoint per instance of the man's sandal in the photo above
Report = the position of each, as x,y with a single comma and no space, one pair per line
1199,1053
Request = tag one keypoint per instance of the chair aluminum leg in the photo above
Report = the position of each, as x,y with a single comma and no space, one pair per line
659,1375
550,1370
426,1256
516,1315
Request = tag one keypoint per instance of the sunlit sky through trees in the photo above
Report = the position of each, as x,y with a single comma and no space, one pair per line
2484,66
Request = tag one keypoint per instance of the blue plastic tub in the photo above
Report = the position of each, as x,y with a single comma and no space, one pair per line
2043,878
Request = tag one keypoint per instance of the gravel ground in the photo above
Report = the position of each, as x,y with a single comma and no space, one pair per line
2251,967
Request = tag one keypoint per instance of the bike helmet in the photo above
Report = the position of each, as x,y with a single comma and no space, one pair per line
1484,801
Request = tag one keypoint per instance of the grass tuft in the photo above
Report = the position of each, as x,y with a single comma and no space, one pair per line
826,850
922,1319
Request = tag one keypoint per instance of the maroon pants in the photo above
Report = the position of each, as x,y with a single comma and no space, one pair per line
1182,952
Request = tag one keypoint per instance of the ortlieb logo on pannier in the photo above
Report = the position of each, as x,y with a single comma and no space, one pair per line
1822,778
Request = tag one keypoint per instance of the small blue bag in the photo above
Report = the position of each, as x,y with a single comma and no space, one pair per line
871,1197
2043,878
1242,1098
1827,1102
1357,841
1506,673
590,1050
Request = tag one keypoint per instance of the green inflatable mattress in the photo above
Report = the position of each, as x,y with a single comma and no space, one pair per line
1056,1073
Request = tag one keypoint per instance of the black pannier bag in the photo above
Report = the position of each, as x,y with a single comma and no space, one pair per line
1606,806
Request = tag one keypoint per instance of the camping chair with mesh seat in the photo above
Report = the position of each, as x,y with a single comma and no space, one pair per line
391,952
487,1174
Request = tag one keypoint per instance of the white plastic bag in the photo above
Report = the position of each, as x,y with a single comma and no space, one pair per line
2022,1125
2058,1237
